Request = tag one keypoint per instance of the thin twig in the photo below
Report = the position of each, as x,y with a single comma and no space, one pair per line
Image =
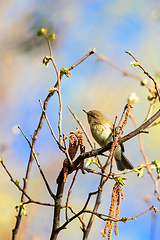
102,216
39,203
49,125
81,126
60,110
51,55
36,159
145,157
80,219
16,183
69,192
145,72
80,212
118,68
134,217
82,59
151,107
133,170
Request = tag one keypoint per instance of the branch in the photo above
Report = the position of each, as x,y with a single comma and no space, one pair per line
141,128
79,213
134,217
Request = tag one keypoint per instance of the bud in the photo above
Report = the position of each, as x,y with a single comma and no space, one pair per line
133,97
144,82
52,36
134,64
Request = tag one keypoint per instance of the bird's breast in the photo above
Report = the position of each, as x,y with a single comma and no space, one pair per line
101,133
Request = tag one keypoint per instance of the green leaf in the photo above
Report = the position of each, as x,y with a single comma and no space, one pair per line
65,71
1,159
52,36
90,161
42,32
52,89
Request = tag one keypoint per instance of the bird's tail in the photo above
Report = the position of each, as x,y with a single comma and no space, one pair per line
124,163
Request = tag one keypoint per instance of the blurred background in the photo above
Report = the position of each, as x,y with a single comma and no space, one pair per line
112,27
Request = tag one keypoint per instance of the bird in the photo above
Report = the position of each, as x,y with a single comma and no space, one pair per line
102,131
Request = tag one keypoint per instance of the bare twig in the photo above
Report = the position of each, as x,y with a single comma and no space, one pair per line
80,219
137,168
118,68
52,59
81,126
134,217
69,192
82,59
41,172
39,203
146,158
49,125
145,72
16,183
60,110
51,130
151,107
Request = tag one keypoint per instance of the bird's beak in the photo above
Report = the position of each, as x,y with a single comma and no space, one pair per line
85,111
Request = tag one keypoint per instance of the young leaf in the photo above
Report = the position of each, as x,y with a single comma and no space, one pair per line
46,60
90,161
65,71
52,89
42,32
134,64
120,180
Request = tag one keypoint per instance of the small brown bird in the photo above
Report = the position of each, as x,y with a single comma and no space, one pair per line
102,132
